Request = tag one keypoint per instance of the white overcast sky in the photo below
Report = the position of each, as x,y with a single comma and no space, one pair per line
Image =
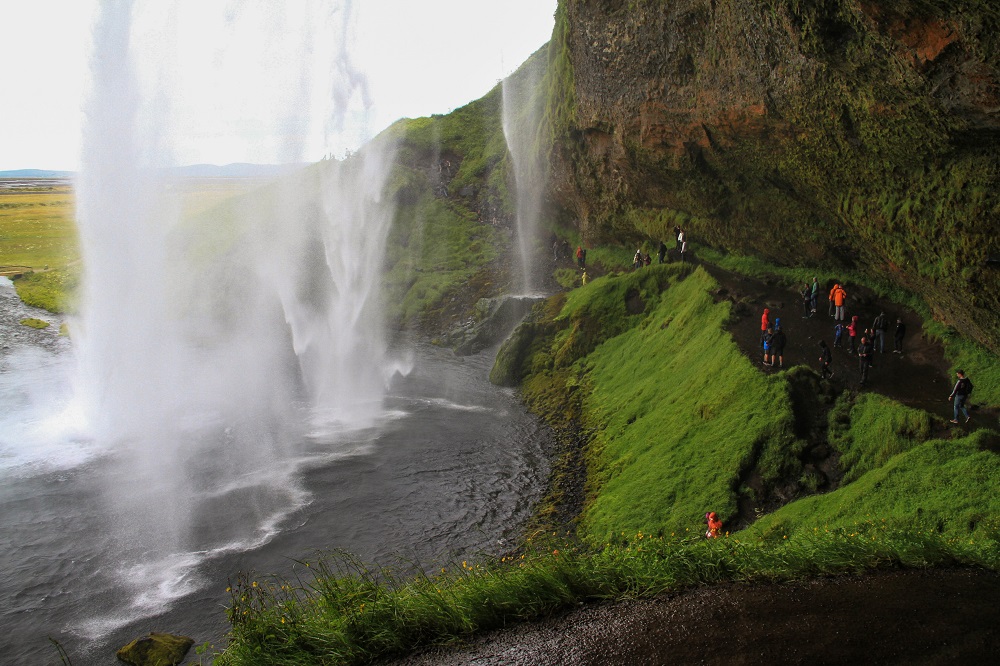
256,80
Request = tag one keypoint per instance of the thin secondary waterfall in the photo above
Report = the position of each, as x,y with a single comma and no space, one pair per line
215,354
522,115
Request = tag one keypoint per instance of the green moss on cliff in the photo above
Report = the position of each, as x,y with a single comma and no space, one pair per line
866,143
560,110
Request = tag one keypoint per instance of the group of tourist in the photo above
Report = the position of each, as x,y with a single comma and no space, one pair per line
862,342
772,340
641,258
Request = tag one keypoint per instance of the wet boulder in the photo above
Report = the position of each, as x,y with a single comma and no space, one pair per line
491,322
156,649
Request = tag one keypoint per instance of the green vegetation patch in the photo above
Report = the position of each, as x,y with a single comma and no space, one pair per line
679,413
942,486
54,290
434,248
31,322
38,227
873,430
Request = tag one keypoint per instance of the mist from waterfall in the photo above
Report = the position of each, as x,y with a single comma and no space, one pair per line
215,354
523,108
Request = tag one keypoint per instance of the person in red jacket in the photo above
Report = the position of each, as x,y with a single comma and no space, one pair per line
852,331
714,525
765,323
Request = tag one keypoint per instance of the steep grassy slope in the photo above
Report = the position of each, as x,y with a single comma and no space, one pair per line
678,418
676,421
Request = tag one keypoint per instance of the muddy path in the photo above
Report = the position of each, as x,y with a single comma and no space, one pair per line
918,377
889,617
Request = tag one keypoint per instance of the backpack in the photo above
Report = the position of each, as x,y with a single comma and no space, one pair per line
968,385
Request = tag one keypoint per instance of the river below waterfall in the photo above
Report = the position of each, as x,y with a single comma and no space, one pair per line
452,470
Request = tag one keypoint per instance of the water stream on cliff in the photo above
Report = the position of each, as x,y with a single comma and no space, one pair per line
523,111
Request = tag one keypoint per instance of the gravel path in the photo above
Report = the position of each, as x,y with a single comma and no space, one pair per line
893,617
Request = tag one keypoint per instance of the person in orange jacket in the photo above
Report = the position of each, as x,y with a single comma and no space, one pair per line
839,297
832,306
714,525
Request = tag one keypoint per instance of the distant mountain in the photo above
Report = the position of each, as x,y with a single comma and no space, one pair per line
237,170
35,173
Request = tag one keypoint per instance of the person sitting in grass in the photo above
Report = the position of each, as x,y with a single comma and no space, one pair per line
714,525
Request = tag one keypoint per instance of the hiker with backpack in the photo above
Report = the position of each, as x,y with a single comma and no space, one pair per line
839,296
960,394
880,324
778,341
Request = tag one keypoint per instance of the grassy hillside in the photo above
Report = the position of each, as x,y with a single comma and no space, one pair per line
38,232
37,226
676,417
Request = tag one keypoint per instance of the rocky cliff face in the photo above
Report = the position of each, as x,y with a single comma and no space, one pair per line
838,133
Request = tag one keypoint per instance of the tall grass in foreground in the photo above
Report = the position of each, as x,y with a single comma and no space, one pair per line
344,613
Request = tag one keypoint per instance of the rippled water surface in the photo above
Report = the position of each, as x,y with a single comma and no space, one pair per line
452,469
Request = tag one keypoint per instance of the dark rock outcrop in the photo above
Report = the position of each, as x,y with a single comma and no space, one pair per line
492,320
840,134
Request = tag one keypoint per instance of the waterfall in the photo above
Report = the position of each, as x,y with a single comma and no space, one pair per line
522,115
216,353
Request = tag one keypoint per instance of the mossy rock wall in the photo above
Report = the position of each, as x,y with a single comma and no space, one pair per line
840,134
